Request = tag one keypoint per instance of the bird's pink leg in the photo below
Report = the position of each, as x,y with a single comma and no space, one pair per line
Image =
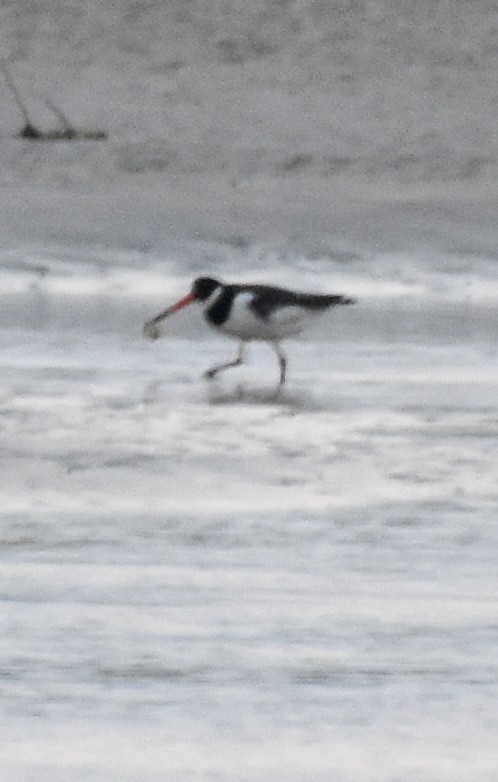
235,363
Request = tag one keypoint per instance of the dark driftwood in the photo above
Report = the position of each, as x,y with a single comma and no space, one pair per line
33,133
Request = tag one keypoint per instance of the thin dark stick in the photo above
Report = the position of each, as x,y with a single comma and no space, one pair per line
69,129
30,130
69,133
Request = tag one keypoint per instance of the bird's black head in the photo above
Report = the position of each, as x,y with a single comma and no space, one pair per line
203,287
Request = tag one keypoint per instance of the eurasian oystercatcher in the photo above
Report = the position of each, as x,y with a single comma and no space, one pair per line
251,312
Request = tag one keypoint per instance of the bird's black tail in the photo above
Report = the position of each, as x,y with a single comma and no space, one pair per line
319,301
338,299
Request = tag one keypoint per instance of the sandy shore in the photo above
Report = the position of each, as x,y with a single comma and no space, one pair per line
308,213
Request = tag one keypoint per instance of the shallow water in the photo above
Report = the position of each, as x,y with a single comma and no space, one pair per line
205,581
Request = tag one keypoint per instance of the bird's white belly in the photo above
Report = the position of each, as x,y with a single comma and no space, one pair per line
246,325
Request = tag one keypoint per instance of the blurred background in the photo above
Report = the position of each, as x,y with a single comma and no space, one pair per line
404,91
305,101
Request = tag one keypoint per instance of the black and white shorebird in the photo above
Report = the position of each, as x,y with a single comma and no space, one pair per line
249,313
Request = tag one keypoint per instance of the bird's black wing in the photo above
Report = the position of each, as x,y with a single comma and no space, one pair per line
266,299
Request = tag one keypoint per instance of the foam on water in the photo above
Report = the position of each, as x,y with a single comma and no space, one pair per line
209,581
223,583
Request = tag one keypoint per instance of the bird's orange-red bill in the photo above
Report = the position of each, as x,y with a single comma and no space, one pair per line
182,303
